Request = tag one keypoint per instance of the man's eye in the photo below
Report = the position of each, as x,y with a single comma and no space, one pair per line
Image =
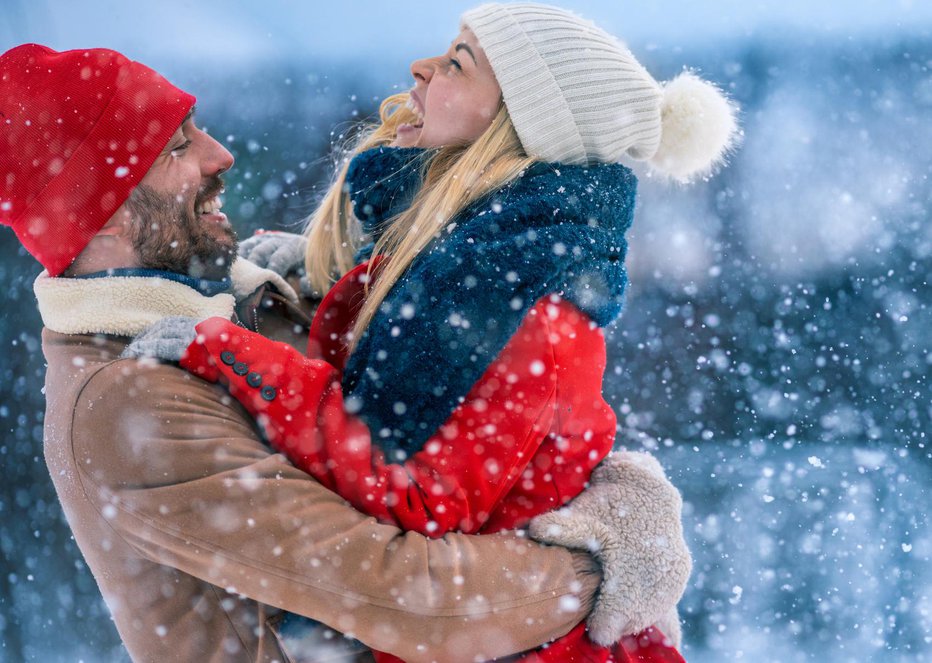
455,63
181,148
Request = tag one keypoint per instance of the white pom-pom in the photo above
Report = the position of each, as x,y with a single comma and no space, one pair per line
699,128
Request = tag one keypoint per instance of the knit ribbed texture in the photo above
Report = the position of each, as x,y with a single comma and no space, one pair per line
574,93
556,229
78,131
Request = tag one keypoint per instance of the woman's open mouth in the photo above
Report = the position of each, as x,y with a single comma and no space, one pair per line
415,108
419,122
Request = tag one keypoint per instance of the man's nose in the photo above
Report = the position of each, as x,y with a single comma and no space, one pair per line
217,159
423,70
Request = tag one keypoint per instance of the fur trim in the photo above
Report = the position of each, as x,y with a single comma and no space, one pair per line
248,277
121,305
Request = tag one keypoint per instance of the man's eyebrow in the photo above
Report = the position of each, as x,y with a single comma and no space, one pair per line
465,47
186,118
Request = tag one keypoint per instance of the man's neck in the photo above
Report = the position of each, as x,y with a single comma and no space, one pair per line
103,252
207,287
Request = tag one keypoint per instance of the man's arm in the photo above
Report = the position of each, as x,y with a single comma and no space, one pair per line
182,476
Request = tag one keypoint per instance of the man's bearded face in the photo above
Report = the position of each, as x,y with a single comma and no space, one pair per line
168,232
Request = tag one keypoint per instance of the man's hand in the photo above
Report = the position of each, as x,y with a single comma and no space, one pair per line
167,339
629,519
283,253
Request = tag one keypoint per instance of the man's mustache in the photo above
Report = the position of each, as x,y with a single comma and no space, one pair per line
209,190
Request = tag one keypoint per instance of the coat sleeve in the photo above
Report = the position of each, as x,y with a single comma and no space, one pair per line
453,483
182,476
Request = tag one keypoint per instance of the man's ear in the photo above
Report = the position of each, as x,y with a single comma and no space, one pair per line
119,224
110,248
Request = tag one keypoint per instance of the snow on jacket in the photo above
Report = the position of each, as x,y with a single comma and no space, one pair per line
554,229
522,441
200,536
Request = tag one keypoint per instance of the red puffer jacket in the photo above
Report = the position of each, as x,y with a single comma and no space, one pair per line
524,440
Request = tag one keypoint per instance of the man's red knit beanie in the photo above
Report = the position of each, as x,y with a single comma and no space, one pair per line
78,131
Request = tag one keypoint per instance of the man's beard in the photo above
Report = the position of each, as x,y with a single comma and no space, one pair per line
169,237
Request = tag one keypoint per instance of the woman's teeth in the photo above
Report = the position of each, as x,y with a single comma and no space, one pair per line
410,105
211,206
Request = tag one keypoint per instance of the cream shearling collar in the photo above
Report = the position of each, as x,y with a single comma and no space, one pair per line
127,305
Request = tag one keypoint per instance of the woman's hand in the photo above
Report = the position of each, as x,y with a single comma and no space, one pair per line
175,339
629,519
168,339
283,253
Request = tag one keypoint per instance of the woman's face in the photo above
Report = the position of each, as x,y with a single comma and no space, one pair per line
455,96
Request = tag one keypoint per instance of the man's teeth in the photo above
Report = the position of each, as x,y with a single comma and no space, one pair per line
211,206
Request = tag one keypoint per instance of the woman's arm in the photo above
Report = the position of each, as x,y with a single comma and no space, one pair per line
453,483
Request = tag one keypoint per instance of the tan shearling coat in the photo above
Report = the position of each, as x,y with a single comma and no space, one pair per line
200,537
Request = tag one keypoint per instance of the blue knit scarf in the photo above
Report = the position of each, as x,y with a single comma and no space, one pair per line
555,229
206,287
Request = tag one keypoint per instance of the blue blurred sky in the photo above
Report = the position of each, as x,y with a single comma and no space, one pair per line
387,33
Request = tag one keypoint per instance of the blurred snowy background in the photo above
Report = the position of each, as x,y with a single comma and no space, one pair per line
775,352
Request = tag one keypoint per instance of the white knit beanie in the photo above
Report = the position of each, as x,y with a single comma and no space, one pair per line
577,95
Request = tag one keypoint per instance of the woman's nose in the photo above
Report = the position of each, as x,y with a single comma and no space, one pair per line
423,70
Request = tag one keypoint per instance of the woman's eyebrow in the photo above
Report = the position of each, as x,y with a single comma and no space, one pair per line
465,47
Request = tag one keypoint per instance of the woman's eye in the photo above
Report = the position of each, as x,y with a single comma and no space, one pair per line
455,63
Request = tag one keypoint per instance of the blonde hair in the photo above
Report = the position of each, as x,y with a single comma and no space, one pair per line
454,177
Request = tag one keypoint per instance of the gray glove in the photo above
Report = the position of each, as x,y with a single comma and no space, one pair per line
283,253
629,519
167,339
